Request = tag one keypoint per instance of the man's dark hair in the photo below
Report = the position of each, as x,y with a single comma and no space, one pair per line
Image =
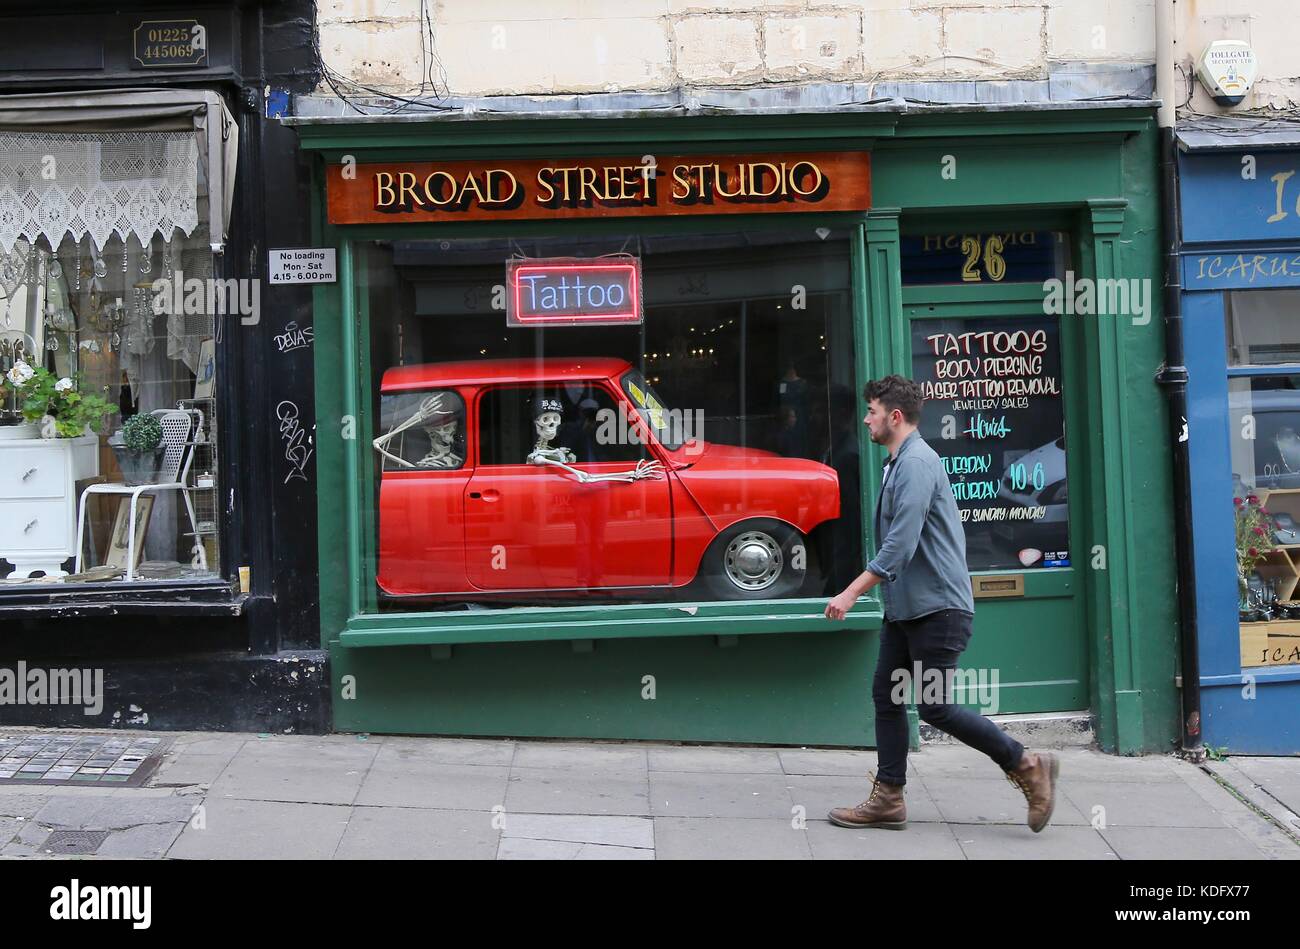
895,392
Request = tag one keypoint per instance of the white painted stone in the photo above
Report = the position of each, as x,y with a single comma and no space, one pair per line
983,43
821,46
717,49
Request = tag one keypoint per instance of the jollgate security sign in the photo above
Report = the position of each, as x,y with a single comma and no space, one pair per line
302,265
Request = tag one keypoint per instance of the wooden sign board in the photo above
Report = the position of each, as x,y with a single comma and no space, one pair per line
549,189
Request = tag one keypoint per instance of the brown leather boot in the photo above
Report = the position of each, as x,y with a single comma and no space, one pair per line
883,808
1038,784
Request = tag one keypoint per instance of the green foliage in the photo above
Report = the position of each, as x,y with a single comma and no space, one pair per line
142,432
41,393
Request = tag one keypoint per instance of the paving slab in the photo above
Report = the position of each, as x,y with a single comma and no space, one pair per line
487,752
992,801
185,769
21,804
263,830
814,761
1279,778
405,833
582,828
682,794
1010,842
694,838
256,774
394,781
606,758
1273,829
9,826
919,841
1178,843
145,842
1142,805
716,760
1094,765
208,743
575,791
513,848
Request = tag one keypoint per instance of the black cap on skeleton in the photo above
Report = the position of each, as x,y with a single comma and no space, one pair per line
542,405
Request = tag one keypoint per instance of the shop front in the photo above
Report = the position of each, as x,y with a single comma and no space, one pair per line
1241,283
589,416
145,536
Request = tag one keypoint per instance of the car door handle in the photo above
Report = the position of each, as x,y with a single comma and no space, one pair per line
491,494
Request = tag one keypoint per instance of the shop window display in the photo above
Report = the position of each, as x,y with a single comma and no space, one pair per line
707,451
108,428
1264,439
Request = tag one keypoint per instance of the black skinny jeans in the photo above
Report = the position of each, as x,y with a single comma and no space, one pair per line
935,640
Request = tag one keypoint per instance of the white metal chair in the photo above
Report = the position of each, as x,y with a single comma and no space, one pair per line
178,430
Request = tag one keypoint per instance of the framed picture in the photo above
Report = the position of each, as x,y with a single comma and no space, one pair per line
205,377
117,544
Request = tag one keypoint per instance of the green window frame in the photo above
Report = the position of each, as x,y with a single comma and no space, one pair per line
348,594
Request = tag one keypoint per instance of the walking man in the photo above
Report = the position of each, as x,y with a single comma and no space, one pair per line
921,560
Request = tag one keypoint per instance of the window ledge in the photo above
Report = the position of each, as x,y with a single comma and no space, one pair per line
534,624
117,598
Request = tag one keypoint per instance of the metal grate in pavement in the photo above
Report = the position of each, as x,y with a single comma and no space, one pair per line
75,841
54,758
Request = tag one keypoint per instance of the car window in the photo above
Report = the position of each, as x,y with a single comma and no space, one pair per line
585,419
665,423
421,430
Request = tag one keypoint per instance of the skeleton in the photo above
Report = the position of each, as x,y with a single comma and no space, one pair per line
546,422
441,432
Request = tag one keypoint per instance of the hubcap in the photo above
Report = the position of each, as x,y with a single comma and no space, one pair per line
753,560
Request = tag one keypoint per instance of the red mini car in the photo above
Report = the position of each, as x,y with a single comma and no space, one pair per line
502,476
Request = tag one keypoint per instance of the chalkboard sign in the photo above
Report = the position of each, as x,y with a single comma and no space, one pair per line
994,412
572,291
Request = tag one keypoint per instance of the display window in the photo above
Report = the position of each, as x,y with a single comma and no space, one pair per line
1264,439
108,421
632,418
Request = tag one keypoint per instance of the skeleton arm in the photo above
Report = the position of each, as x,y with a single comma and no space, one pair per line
644,469
427,410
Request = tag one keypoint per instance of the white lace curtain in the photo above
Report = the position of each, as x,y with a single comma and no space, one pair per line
100,184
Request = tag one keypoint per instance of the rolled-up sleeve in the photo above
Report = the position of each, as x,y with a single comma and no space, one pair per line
913,492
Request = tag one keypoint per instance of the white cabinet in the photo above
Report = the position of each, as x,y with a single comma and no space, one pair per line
38,500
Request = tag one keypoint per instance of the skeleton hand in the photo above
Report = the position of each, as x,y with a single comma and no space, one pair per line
646,469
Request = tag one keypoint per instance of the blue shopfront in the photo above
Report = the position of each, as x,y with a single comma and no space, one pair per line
1240,253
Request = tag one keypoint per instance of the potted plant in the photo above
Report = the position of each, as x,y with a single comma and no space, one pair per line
1254,542
56,405
138,447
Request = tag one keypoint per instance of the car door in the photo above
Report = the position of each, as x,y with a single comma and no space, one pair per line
423,473
538,527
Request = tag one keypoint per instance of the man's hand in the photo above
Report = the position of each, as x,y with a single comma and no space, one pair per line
840,605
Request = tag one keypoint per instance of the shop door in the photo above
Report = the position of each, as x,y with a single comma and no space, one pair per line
1000,407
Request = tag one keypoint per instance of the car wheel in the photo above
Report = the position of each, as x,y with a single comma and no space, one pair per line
755,560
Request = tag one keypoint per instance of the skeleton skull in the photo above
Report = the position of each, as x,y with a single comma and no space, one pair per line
547,425
441,434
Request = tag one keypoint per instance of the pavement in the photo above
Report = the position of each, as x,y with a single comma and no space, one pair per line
248,796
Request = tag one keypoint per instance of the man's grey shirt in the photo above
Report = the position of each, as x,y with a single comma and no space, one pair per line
921,558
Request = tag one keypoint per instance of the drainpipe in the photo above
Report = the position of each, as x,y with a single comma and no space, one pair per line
1172,377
